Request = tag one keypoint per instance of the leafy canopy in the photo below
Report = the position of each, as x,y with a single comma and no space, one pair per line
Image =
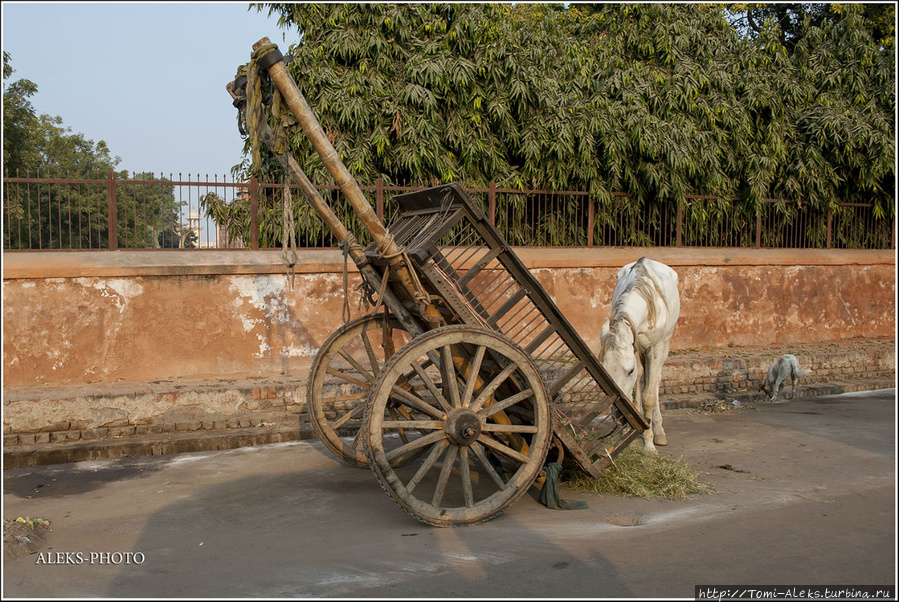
656,100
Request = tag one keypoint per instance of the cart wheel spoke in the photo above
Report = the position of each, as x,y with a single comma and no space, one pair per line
358,443
485,395
501,448
350,378
478,418
450,378
465,471
402,396
435,392
373,361
341,378
445,471
473,374
354,413
355,364
488,466
436,450
413,446
505,404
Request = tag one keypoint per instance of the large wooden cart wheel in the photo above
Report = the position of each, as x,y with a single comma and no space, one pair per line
341,378
481,415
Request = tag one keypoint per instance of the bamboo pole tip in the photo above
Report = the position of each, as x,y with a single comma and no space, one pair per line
262,42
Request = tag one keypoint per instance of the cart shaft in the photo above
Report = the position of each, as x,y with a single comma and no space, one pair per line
312,129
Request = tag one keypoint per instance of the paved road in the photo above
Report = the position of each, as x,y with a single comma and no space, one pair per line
809,499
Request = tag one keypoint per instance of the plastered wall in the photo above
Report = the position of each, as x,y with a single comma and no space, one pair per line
78,318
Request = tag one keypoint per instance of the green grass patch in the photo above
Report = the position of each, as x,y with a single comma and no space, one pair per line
641,474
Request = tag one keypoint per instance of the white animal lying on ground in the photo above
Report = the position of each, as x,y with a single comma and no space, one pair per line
634,344
786,367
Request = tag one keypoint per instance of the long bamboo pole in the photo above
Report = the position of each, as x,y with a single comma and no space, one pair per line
338,229
345,181
316,135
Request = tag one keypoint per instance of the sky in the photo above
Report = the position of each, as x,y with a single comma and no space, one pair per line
147,78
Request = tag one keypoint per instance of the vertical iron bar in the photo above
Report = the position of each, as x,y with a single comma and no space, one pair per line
758,225
678,235
379,198
69,210
112,217
491,202
591,219
254,213
58,216
829,227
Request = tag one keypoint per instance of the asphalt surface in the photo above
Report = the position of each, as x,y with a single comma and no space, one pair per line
805,494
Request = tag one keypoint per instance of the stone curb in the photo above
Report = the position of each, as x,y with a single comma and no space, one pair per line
21,456
803,391
39,454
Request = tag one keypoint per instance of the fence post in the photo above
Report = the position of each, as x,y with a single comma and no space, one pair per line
678,236
379,198
829,227
491,202
591,218
254,213
758,226
112,211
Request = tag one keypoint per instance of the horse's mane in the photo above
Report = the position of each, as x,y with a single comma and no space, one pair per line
643,285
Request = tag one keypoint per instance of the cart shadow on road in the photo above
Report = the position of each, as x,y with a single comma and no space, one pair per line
288,520
334,533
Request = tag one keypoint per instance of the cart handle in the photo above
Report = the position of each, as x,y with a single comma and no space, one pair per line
312,129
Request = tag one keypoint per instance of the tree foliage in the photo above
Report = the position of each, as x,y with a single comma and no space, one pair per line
656,100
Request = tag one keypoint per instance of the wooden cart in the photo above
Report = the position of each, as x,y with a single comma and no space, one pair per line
455,392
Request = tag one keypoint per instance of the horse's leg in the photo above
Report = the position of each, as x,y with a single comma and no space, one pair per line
640,402
655,359
781,377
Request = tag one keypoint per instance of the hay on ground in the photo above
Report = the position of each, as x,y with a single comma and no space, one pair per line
641,474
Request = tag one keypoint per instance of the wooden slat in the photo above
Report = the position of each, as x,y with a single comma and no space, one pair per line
479,265
505,307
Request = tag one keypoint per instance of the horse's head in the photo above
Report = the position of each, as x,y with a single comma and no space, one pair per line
617,354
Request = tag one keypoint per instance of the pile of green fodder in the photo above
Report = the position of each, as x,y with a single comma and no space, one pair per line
638,473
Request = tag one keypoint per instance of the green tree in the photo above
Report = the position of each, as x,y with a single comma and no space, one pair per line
793,21
659,101
19,121
73,216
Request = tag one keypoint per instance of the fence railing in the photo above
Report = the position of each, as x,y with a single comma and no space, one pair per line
108,212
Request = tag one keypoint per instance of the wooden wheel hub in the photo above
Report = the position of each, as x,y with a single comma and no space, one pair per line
462,426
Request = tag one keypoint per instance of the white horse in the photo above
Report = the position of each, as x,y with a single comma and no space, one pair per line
634,344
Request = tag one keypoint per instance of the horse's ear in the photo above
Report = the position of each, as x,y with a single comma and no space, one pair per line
605,328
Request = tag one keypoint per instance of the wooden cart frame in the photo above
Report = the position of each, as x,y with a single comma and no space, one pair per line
455,393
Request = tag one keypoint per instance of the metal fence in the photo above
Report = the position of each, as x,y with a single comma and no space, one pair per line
106,212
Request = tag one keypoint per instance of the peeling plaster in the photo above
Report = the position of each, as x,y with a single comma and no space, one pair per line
61,330
266,294
122,290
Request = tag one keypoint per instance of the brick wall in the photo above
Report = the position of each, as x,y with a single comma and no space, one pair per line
745,370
